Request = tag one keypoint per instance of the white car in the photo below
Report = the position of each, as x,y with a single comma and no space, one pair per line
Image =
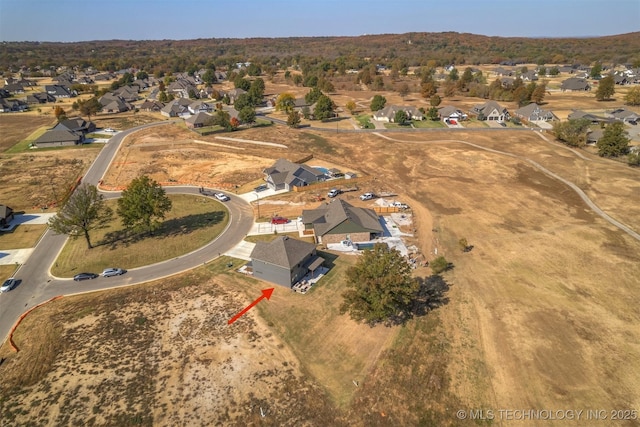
109,130
367,196
8,285
333,193
222,197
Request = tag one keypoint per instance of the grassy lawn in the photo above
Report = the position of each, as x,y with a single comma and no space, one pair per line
24,144
22,236
474,123
193,222
365,121
6,271
429,124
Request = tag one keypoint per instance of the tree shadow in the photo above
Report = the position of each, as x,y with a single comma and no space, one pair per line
173,227
431,295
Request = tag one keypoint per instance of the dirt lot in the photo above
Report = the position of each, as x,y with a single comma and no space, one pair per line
541,312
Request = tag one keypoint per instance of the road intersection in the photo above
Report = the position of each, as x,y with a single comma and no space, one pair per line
37,285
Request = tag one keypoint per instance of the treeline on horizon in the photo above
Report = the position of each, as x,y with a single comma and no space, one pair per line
161,57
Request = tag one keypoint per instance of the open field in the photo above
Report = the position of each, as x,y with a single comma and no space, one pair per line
18,126
192,222
542,313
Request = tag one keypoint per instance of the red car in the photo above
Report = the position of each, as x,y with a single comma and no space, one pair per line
279,220
452,122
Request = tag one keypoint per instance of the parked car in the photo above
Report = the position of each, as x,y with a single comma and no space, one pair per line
279,220
400,205
333,192
367,196
221,196
9,284
452,122
84,276
109,130
260,188
108,272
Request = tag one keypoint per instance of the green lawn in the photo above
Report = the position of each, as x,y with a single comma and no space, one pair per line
24,144
193,222
365,121
428,124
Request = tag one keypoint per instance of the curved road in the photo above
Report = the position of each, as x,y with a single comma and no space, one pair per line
37,285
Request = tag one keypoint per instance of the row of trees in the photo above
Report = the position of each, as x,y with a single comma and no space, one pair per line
141,207
613,143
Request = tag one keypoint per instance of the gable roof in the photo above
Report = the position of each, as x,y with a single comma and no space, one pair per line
286,172
488,107
5,211
57,135
200,118
533,111
283,251
76,124
574,83
449,110
339,211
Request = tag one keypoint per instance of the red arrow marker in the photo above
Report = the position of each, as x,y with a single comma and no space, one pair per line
266,293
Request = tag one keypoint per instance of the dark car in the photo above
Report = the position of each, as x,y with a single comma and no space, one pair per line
84,276
9,284
279,220
260,188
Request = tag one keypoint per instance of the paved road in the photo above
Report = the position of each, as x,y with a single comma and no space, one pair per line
37,285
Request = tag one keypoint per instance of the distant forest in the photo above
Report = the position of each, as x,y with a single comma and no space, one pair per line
160,57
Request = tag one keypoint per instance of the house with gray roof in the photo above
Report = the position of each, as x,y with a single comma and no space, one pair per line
338,220
56,138
624,115
60,91
114,103
39,98
575,84
579,114
76,124
388,113
533,113
491,111
284,175
198,120
284,261
12,106
449,112
179,107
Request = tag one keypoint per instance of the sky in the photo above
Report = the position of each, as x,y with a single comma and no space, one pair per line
83,20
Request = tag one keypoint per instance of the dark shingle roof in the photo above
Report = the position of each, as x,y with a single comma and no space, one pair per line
283,251
53,136
339,211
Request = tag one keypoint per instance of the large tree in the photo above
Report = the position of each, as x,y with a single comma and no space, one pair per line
293,119
324,108
247,115
380,287
606,88
90,107
378,102
285,102
633,96
313,95
83,212
614,141
572,132
143,204
401,118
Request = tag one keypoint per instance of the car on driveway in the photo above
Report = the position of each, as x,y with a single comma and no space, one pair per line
260,188
367,196
112,271
279,220
221,196
9,284
84,276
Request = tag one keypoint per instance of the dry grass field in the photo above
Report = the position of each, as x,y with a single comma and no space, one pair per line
542,313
